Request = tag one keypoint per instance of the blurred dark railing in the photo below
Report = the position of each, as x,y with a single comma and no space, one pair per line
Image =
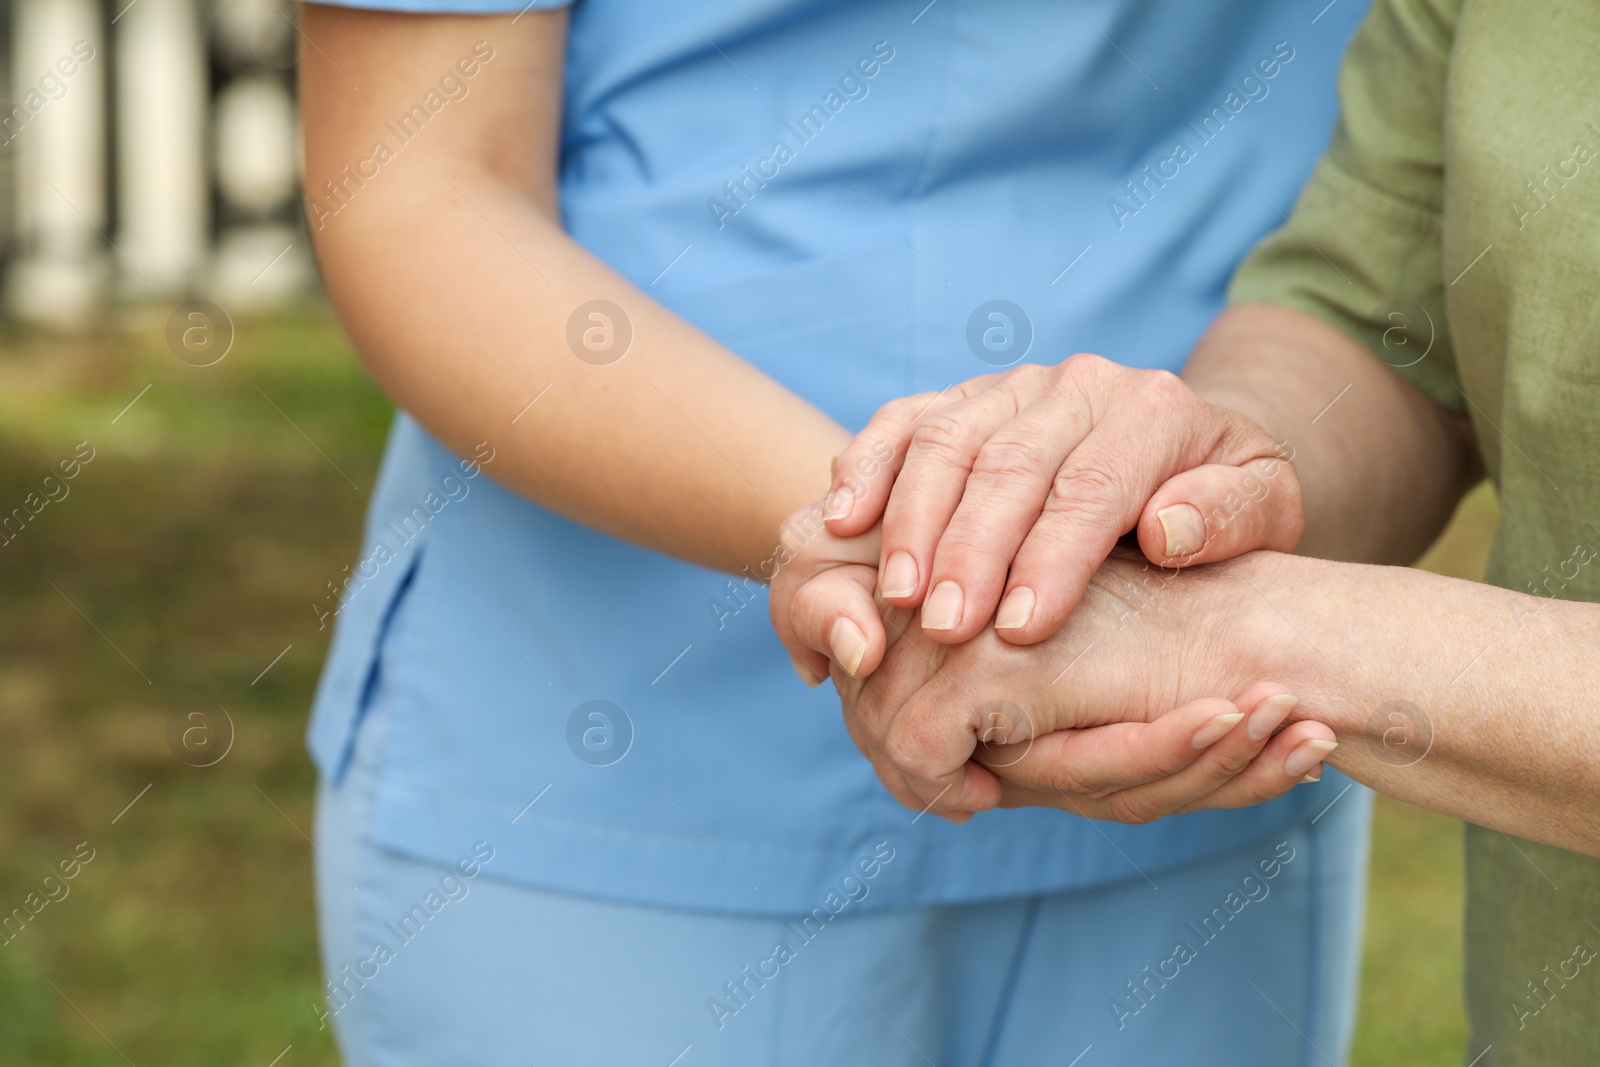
148,150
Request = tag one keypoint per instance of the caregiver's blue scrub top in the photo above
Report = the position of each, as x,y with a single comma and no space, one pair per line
835,191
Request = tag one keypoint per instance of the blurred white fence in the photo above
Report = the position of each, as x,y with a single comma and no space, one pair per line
148,150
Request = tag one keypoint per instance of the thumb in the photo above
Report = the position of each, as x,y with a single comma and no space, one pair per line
835,614
1216,512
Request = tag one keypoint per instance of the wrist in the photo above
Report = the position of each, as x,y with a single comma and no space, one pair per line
1298,612
1263,607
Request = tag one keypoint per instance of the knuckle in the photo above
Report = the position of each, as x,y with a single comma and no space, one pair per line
901,409
1061,376
1166,390
869,723
1129,807
1029,375
889,778
1085,480
1085,363
959,554
1089,492
943,434
1066,779
904,751
962,799
1228,764
1083,374
1260,792
1167,762
1011,457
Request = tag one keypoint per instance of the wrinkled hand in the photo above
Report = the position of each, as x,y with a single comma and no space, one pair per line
1114,717
1007,492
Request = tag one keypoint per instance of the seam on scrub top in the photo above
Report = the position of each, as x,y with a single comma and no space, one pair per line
372,674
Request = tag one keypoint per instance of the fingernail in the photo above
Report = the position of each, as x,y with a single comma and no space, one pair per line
899,574
1306,756
1270,715
1184,527
805,673
1216,729
839,503
1015,610
943,608
1314,776
849,644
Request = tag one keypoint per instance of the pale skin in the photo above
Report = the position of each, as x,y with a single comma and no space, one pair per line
1499,726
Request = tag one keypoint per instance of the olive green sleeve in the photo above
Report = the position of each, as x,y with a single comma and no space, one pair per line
1362,250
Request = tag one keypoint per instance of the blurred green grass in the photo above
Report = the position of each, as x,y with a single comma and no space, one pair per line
186,557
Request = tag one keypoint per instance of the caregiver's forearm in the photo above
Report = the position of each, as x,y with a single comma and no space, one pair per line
454,279
1381,466
1465,698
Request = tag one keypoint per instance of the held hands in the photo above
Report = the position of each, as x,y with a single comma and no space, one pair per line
1009,492
1000,497
1080,721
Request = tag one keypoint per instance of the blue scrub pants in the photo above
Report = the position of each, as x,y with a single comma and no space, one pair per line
1212,964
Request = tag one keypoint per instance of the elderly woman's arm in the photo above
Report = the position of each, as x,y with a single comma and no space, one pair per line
1465,698
1474,701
